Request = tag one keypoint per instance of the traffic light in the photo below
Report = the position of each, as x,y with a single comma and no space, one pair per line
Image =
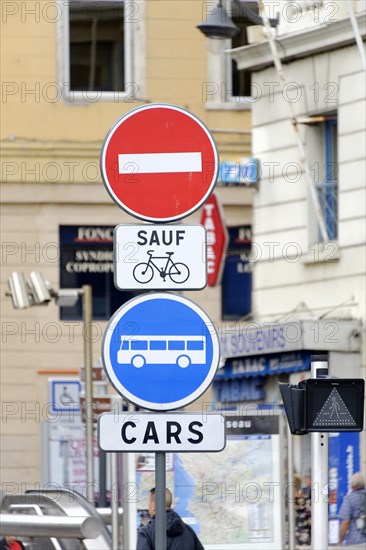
293,398
334,404
324,405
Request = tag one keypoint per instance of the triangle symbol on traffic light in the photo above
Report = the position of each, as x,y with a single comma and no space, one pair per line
334,412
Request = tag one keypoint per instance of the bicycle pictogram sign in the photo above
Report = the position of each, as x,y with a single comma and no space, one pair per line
160,257
178,272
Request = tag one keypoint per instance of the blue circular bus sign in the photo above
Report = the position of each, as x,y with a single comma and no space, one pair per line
160,351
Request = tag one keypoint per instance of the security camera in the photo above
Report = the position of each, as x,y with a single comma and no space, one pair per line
67,297
39,288
18,291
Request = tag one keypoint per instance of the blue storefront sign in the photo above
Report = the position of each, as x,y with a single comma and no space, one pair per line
236,173
264,365
242,379
160,351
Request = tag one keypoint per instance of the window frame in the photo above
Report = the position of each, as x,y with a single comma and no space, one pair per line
230,61
329,186
220,70
331,143
322,157
92,96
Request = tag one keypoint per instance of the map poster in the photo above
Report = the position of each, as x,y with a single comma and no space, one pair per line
232,499
145,462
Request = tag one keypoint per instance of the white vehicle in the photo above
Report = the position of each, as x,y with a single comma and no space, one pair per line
182,350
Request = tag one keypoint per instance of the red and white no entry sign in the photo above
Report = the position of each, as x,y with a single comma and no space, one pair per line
159,163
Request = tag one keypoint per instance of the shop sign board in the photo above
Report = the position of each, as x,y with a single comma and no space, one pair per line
217,239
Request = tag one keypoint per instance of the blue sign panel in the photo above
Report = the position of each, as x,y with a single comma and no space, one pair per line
246,389
343,463
236,173
65,396
160,351
242,379
264,365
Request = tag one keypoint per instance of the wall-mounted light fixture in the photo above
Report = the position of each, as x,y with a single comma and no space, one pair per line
218,23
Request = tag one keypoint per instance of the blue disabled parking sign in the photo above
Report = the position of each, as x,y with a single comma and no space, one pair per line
160,351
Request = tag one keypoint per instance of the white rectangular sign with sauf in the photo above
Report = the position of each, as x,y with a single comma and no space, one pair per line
173,432
160,257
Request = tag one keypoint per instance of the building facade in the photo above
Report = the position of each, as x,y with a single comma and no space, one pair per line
70,69
308,248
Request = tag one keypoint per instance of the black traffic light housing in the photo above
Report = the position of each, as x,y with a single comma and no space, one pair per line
293,398
324,405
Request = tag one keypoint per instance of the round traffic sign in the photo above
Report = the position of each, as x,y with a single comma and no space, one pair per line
160,351
159,163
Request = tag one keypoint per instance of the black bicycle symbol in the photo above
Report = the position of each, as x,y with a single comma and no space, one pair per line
144,272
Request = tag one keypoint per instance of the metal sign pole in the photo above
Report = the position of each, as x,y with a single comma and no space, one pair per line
114,499
102,502
129,502
291,493
319,471
160,500
87,308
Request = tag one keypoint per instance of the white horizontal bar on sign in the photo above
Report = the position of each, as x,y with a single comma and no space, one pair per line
154,163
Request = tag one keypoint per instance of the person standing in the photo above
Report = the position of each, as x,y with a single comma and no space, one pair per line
179,535
353,506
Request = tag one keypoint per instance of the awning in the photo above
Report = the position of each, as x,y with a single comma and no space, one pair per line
259,339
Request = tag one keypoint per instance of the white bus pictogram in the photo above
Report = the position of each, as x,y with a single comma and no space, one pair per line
180,350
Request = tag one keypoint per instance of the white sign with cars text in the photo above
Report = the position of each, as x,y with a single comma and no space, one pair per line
169,432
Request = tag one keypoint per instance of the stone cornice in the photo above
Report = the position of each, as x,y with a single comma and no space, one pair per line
310,41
